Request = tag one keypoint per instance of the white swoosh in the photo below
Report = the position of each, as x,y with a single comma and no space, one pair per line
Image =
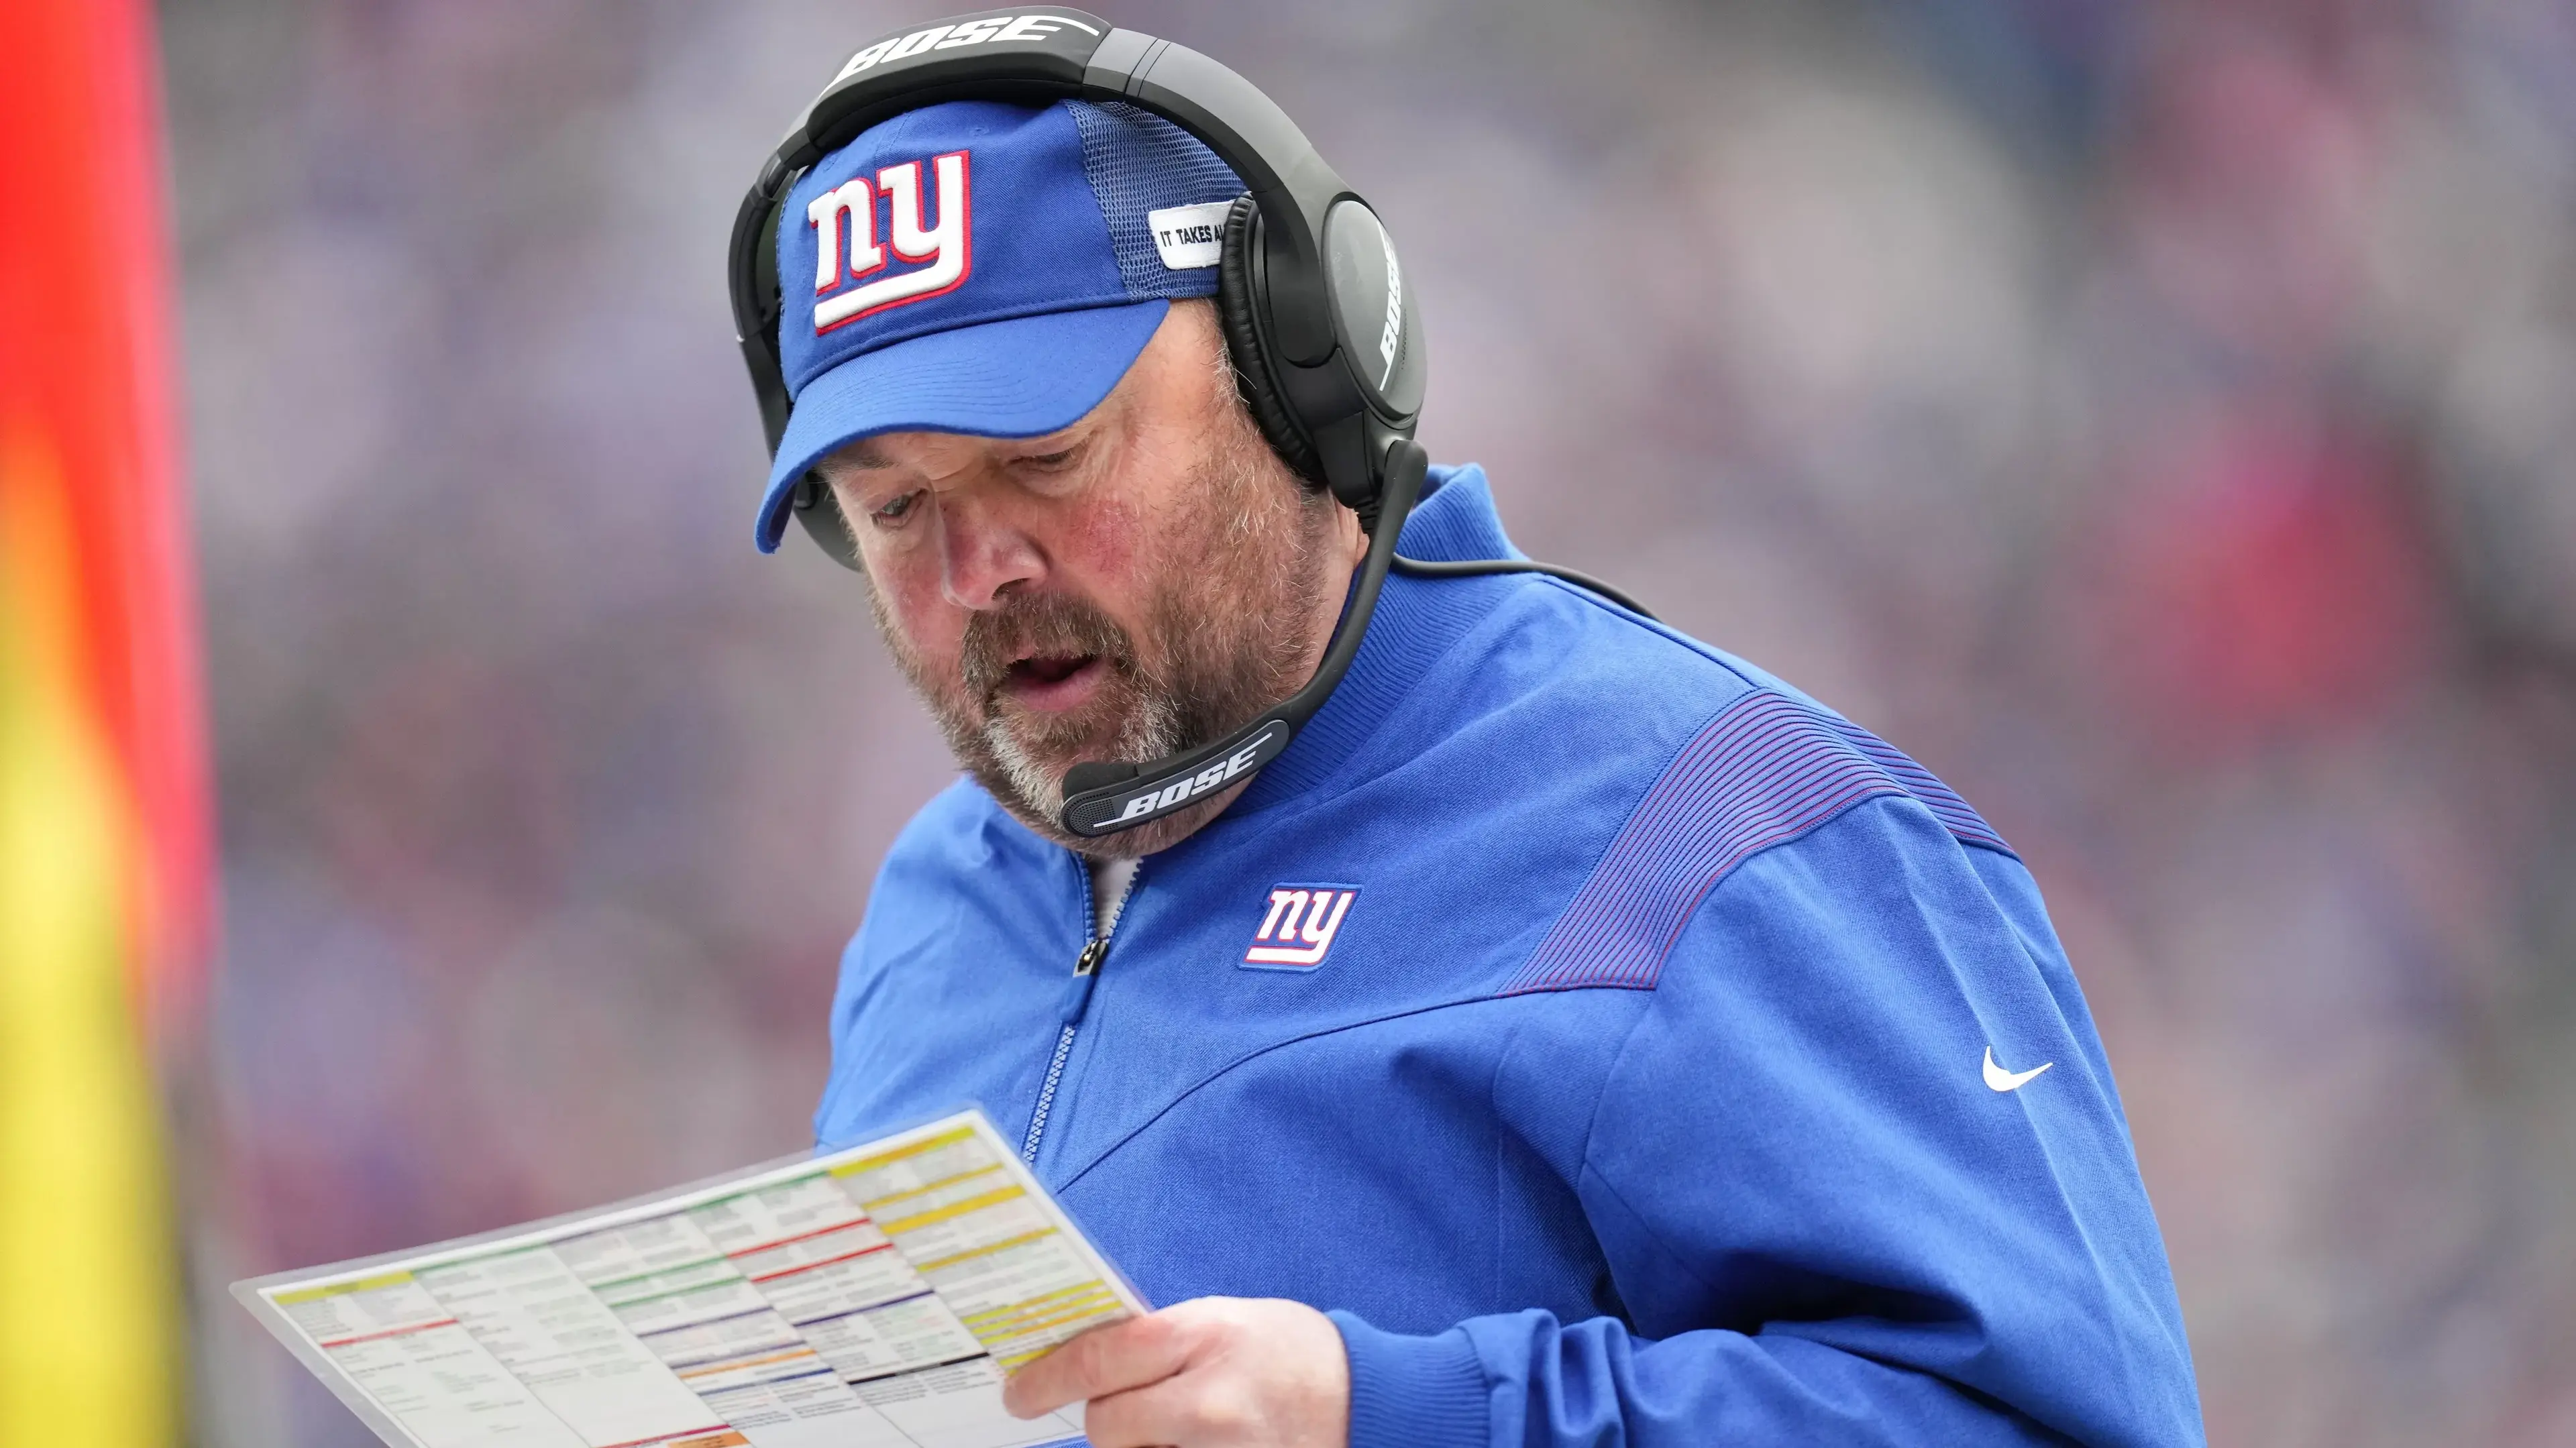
1999,1079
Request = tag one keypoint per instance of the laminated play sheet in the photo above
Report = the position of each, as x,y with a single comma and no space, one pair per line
872,1298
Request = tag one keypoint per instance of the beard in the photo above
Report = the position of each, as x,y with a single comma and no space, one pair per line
1243,569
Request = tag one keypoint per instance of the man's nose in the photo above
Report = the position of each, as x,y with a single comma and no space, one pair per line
982,555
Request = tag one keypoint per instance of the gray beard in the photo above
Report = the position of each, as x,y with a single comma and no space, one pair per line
1152,731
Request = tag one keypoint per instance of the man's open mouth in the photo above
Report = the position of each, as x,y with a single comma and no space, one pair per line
1051,681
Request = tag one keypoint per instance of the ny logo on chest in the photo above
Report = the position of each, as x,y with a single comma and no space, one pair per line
1298,927
944,243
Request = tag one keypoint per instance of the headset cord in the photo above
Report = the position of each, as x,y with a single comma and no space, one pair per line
1425,568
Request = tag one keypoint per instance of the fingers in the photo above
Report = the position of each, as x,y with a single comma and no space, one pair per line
1182,1409
1100,1363
1213,1372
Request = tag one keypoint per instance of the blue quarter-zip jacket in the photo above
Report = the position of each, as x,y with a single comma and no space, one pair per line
1646,1092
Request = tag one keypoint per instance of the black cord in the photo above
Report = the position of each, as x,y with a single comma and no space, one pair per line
1425,568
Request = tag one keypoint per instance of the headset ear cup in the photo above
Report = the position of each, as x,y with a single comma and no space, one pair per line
1238,313
819,509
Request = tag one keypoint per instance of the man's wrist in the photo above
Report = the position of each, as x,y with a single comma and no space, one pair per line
1426,1391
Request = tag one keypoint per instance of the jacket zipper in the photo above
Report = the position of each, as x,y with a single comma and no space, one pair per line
1077,999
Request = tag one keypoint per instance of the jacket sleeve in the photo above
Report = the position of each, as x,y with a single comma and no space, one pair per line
1826,1217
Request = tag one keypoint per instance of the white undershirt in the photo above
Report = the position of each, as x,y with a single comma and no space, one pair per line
1109,882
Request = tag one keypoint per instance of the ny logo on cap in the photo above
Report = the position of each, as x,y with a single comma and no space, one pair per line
946,246
1299,927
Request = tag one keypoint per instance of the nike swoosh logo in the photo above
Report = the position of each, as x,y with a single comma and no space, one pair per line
1999,1079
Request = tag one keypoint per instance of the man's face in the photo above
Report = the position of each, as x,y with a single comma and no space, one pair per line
1137,584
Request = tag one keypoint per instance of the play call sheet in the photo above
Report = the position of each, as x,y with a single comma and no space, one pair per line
872,1298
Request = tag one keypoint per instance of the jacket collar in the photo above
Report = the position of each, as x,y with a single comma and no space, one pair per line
1417,621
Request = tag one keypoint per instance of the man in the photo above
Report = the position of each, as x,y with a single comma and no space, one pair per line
1576,1036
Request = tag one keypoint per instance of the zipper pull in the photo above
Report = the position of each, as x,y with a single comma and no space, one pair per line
1086,971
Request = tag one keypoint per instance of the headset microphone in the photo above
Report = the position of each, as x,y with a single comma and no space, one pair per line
1102,799
1324,335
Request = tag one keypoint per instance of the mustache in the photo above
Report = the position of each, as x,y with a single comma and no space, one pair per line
1038,625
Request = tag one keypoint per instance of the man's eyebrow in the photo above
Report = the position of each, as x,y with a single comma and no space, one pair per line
860,454
1053,442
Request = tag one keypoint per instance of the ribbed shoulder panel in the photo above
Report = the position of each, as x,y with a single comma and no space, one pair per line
1765,770
1944,802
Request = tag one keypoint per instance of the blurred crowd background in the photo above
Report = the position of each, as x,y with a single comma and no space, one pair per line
2156,418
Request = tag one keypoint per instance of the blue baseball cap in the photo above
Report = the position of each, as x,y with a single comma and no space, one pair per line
983,268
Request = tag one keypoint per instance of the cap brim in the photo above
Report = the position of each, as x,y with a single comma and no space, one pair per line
1022,377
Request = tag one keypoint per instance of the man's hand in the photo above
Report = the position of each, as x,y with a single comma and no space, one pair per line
1213,1372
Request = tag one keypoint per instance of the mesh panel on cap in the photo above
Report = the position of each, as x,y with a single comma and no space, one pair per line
1138,162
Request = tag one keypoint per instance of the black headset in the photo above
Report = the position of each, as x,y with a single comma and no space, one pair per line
1325,338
